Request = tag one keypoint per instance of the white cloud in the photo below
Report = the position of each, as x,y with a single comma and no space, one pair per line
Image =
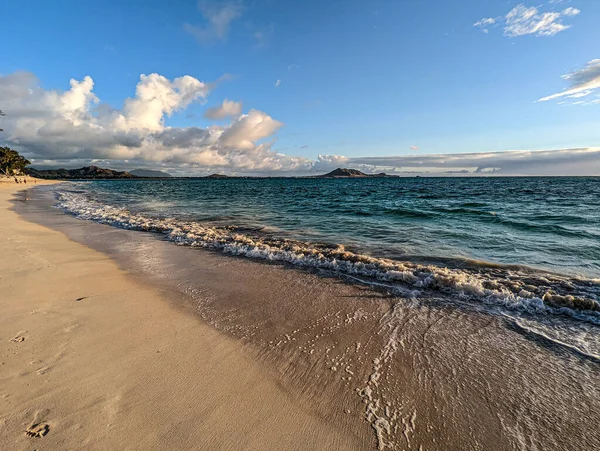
580,95
155,97
523,20
228,108
218,16
278,83
249,128
485,23
571,12
583,82
414,147
327,163
74,126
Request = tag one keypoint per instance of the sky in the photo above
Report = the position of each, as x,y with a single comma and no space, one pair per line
291,87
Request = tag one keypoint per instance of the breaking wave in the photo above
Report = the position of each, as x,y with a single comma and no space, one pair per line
510,288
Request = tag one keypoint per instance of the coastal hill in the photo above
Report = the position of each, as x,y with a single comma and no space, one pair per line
149,173
88,172
97,173
351,173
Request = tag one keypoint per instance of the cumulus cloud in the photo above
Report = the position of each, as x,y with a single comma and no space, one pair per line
523,20
155,97
583,82
248,129
326,163
228,108
219,16
75,126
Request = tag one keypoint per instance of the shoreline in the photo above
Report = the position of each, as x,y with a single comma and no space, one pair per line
526,288
92,358
383,371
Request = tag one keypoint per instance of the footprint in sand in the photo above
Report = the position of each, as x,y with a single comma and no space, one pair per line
39,426
37,430
20,337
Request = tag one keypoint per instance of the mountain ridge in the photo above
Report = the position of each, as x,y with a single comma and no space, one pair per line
98,173
86,172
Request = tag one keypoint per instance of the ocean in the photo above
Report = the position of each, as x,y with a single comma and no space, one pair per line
453,314
551,224
520,244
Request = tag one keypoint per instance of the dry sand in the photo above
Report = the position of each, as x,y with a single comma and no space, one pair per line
91,359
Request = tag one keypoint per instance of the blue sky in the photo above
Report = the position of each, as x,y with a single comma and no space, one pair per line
357,79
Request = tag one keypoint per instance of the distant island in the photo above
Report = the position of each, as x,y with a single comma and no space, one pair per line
149,173
351,173
97,173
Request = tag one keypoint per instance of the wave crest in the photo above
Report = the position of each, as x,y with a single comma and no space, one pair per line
513,289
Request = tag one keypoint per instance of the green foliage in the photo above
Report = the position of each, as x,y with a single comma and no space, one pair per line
11,162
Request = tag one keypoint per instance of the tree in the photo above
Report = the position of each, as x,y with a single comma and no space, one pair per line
11,162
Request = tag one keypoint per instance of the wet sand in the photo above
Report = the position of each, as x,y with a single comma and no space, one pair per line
371,370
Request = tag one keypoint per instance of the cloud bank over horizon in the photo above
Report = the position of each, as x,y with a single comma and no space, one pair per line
74,128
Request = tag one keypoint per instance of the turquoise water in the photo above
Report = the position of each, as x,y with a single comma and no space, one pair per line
545,223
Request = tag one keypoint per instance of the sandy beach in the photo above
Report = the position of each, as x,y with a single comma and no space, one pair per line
300,226
116,339
90,359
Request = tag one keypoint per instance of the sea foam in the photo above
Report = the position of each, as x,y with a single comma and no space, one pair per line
509,288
